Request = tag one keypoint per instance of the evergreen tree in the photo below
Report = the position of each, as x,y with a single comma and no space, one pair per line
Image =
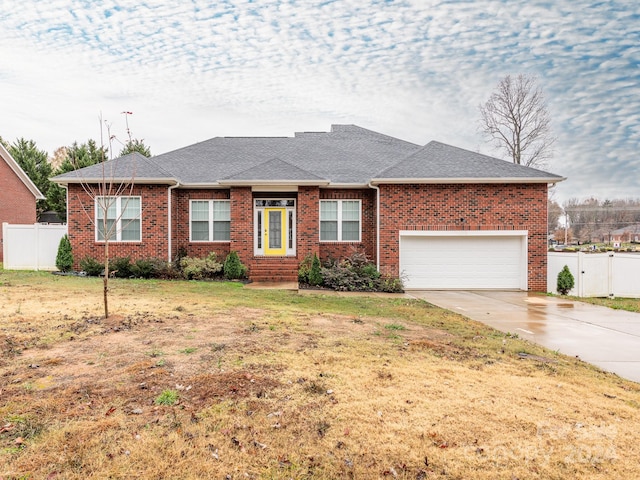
77,156
135,145
35,163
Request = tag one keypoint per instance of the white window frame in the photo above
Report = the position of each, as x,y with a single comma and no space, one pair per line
120,202
211,220
340,220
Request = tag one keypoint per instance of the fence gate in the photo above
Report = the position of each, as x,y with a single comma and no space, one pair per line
595,275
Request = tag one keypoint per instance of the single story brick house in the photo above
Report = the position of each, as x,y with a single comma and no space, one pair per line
436,216
18,195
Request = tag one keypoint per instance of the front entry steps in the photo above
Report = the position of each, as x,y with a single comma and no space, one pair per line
273,269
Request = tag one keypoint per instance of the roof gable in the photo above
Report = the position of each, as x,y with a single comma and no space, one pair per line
24,178
274,171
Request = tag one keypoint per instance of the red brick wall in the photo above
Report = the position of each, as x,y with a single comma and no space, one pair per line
307,222
180,227
17,203
153,244
470,206
242,223
337,250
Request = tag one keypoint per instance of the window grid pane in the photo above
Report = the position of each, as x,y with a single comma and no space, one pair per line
200,211
351,211
130,231
328,210
200,231
221,231
130,207
110,229
222,210
350,231
329,230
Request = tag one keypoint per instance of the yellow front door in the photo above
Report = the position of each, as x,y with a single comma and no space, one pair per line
275,231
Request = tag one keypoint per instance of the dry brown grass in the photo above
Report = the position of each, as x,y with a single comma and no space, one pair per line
276,385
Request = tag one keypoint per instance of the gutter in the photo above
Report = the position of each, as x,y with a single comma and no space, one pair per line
169,219
449,180
377,189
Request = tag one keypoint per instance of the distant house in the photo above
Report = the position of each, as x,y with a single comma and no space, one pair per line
18,194
436,216
628,234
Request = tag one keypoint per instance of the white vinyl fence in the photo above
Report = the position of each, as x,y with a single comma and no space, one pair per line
31,247
610,274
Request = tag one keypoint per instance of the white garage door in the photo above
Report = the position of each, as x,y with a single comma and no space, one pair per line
464,260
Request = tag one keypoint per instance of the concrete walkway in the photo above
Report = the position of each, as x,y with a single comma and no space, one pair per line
604,337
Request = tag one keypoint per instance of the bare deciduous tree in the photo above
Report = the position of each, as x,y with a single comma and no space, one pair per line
113,207
516,119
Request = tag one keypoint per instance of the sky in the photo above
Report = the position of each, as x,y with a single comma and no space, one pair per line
418,70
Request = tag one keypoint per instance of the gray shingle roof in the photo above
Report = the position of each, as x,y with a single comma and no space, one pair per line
274,170
134,165
438,161
347,155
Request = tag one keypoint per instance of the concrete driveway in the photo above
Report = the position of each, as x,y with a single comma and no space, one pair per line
604,337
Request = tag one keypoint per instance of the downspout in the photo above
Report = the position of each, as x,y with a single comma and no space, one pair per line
169,219
377,189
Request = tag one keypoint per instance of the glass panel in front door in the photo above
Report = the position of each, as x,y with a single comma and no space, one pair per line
275,229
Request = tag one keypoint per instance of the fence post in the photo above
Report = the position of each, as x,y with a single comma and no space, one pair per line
5,226
37,234
610,276
580,276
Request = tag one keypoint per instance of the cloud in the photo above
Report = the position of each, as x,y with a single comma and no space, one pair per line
416,69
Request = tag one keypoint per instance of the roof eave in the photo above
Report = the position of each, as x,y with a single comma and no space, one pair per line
254,183
379,181
135,181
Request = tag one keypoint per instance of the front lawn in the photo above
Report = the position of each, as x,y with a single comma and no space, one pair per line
192,380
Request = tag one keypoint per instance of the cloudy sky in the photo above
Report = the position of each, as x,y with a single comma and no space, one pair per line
414,69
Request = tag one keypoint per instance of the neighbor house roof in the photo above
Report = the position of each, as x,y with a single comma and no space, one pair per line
348,155
635,228
13,165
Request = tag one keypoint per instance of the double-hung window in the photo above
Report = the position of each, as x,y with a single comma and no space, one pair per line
210,220
118,219
340,220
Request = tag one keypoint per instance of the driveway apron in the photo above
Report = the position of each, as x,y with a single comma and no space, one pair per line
602,336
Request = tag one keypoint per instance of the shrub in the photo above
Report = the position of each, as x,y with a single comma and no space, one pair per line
390,285
315,274
64,258
180,254
233,267
146,268
304,269
357,274
91,266
565,281
200,268
120,267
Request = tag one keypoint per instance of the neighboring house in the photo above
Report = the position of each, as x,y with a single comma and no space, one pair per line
435,215
628,234
18,194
